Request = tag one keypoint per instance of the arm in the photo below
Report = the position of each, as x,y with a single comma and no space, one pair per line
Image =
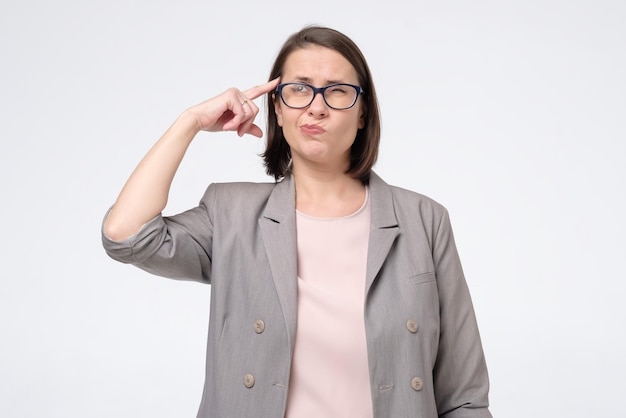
460,373
146,191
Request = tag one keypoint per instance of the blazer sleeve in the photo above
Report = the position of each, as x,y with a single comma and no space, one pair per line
177,247
460,372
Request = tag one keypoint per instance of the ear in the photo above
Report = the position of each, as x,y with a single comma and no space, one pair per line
362,119
279,112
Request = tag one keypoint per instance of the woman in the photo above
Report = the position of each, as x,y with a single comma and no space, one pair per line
333,294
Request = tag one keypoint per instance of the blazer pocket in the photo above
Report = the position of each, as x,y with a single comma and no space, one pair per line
422,278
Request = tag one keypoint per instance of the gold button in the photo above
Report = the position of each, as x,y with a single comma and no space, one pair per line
248,380
259,326
412,326
417,384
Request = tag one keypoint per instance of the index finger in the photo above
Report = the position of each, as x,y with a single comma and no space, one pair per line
257,91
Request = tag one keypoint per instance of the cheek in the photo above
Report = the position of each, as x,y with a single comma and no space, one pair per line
357,122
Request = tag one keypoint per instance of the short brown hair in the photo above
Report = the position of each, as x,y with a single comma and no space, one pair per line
364,151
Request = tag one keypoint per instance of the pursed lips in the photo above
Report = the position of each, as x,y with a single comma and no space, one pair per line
312,129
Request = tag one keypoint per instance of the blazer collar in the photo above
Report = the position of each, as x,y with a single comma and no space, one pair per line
381,201
281,204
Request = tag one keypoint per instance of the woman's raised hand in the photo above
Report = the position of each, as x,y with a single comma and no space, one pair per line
233,110
145,193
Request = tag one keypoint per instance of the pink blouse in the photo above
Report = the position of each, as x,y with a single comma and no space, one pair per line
330,371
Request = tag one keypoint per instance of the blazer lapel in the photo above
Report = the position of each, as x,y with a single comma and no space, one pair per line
278,230
384,228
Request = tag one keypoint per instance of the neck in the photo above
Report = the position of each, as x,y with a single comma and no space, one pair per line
327,193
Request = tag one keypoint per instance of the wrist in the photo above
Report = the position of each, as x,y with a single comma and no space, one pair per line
188,120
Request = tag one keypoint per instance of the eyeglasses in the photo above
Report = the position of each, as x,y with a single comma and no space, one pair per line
338,96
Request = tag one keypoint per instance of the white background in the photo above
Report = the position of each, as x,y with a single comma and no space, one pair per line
512,114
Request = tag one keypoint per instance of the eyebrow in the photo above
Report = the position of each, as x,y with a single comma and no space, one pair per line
309,80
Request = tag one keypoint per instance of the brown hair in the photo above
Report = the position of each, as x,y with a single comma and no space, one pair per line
364,152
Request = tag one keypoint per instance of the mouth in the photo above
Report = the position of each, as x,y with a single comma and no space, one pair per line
312,129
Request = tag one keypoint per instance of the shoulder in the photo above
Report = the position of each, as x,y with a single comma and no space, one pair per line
407,200
413,212
411,197
241,190
412,207
237,199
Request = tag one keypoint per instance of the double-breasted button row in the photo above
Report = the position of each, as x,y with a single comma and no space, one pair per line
416,383
259,326
248,380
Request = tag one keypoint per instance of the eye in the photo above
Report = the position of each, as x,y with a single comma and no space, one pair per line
299,88
338,90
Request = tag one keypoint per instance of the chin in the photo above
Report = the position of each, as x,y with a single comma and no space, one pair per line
313,150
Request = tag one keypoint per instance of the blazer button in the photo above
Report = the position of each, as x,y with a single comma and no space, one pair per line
412,326
259,326
248,380
417,384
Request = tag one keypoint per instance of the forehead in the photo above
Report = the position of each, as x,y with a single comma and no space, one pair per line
318,64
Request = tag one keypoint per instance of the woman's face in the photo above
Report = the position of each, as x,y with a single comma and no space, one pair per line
319,135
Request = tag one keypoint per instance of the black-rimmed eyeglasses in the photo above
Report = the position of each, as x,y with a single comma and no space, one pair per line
338,96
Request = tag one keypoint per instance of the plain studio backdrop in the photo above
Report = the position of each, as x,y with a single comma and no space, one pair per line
512,114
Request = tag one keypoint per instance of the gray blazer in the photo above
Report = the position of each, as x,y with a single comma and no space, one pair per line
424,349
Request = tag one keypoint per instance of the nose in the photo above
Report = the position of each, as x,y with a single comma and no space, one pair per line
318,106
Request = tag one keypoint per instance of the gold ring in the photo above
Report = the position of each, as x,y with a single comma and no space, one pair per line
244,102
